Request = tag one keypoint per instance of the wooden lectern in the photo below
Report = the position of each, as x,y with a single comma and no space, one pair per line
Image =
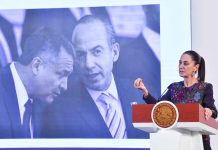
185,134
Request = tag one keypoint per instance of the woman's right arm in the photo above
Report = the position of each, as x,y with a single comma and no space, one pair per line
147,97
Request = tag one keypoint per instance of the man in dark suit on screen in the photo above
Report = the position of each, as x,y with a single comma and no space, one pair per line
98,104
39,75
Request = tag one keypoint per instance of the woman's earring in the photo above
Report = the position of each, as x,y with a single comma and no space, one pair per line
193,73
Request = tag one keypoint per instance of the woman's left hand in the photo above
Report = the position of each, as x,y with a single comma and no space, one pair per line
208,113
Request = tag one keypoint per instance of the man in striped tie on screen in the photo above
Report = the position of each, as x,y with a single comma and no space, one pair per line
98,104
96,52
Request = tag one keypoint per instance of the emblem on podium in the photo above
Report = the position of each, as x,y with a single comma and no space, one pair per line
164,114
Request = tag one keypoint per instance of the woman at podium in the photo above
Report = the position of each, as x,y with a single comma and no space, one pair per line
193,89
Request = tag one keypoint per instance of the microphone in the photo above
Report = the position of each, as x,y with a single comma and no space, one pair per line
159,98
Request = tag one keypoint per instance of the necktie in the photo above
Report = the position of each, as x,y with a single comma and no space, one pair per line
112,116
26,119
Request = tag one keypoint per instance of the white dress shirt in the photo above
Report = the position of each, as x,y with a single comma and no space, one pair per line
21,92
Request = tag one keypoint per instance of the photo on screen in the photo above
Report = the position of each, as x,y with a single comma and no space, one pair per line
112,46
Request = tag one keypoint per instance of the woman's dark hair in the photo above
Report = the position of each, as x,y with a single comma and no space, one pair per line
198,60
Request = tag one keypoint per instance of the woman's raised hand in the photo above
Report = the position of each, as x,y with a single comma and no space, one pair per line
140,85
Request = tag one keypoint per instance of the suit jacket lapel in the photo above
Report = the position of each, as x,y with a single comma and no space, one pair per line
91,114
125,100
12,102
128,94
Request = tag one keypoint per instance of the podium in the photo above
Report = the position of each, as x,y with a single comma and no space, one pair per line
185,134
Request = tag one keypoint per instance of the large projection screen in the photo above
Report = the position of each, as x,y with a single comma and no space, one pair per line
163,24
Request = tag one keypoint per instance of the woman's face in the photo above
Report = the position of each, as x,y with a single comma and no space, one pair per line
187,66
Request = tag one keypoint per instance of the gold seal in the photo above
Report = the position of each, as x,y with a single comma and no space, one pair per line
164,114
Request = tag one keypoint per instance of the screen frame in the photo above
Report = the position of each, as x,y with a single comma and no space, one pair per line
175,28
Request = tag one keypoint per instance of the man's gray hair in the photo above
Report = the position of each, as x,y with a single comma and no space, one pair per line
109,28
